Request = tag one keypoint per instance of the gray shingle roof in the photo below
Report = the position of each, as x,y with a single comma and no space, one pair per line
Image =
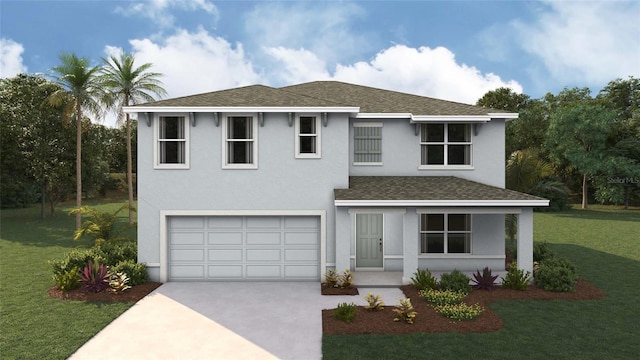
374,100
325,94
425,188
247,96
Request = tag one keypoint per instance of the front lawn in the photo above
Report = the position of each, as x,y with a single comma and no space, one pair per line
605,245
32,325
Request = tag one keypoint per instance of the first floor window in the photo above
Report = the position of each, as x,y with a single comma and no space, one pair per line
445,233
240,142
307,136
172,147
367,143
445,144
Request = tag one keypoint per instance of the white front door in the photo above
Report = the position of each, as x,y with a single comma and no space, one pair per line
369,243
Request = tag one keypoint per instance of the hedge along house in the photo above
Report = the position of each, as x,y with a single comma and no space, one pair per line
281,184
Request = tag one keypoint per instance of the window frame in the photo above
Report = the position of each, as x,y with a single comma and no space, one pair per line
226,140
445,232
367,125
317,135
446,143
158,118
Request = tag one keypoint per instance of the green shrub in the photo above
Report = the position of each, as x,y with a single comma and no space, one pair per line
455,281
137,272
75,259
405,311
423,280
345,312
442,297
115,251
460,311
375,302
67,280
101,226
516,279
556,275
542,251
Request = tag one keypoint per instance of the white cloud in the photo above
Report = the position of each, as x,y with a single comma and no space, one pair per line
11,58
325,29
297,66
159,11
195,62
591,42
422,71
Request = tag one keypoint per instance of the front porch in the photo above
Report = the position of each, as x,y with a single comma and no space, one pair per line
393,279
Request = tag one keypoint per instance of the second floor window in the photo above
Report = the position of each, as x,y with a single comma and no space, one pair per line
445,144
171,147
240,142
367,143
308,140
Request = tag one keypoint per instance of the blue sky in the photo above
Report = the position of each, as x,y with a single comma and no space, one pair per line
456,50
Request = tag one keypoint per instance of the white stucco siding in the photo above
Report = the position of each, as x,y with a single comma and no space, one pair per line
401,153
280,182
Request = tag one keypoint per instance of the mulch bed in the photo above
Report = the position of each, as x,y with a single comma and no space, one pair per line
326,290
427,320
134,294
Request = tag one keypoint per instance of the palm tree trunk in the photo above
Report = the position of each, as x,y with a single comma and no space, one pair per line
129,167
585,204
78,164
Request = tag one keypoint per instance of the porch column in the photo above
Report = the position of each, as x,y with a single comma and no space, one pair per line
410,245
343,239
525,240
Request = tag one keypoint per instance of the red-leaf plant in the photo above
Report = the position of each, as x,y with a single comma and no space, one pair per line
484,281
95,277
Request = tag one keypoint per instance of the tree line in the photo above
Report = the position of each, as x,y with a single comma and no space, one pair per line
563,147
41,116
573,146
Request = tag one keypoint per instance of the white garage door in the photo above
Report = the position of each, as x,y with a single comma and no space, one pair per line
244,248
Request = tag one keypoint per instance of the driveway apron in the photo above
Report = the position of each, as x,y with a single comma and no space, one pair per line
223,320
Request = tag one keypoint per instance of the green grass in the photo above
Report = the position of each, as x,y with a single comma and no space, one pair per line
604,243
32,325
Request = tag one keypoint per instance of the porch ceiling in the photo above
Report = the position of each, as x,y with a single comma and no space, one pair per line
428,191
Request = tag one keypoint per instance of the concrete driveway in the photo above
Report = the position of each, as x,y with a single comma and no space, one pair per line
223,320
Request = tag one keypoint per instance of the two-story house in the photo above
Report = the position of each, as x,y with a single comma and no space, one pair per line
259,183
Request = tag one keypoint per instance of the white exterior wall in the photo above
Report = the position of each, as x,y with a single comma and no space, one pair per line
401,153
281,182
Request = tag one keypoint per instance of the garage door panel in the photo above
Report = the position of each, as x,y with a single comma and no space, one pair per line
249,248
263,222
301,222
187,238
225,271
225,222
297,238
225,255
225,238
301,271
187,271
189,255
301,255
187,222
261,238
263,271
264,255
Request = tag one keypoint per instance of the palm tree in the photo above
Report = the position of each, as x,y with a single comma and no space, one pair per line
80,90
525,172
127,85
